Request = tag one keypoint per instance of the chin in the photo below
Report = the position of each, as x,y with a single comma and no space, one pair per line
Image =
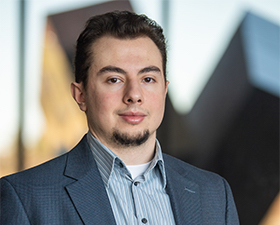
127,139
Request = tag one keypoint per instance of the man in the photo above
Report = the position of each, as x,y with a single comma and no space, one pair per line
117,174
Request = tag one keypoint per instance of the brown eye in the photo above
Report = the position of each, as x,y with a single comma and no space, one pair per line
148,80
113,80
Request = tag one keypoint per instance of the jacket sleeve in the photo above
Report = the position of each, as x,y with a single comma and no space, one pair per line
12,211
231,212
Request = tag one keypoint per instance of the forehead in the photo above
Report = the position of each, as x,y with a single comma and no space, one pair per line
108,49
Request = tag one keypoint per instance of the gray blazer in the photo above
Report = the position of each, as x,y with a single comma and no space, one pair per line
69,190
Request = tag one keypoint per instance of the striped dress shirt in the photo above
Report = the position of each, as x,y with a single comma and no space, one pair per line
141,201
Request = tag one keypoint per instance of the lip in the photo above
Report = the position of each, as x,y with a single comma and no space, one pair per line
133,117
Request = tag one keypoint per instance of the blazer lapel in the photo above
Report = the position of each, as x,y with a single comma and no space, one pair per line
184,196
87,192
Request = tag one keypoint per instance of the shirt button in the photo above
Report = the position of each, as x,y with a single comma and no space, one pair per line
144,220
136,183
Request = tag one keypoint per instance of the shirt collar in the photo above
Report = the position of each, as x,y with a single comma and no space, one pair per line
158,161
106,159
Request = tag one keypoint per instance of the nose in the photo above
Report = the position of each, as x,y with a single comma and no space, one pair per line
133,93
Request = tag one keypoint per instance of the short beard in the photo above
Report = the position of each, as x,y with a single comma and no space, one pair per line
125,140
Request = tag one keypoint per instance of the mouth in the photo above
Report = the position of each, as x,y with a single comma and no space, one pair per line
133,117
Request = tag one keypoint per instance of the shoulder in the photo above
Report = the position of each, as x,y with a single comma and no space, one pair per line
43,173
212,187
47,172
210,190
181,168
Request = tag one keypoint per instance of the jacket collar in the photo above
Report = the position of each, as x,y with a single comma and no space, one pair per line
184,194
87,192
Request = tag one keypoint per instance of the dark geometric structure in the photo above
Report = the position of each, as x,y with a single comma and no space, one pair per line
233,128
68,25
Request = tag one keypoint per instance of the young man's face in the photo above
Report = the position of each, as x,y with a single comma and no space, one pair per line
125,96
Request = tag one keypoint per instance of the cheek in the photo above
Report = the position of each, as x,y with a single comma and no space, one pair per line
157,102
105,102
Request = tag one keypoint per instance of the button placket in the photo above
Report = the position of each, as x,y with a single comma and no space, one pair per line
136,192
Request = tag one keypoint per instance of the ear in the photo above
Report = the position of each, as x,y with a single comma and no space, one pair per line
78,93
166,86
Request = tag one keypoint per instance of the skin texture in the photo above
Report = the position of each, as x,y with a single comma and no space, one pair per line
125,95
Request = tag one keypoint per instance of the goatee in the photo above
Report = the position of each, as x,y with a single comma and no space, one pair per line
126,140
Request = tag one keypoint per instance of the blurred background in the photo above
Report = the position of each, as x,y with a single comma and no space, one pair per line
222,110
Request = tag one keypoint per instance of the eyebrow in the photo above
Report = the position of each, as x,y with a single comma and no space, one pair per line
111,69
121,71
150,69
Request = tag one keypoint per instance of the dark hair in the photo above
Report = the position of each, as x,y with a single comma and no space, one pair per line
119,24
